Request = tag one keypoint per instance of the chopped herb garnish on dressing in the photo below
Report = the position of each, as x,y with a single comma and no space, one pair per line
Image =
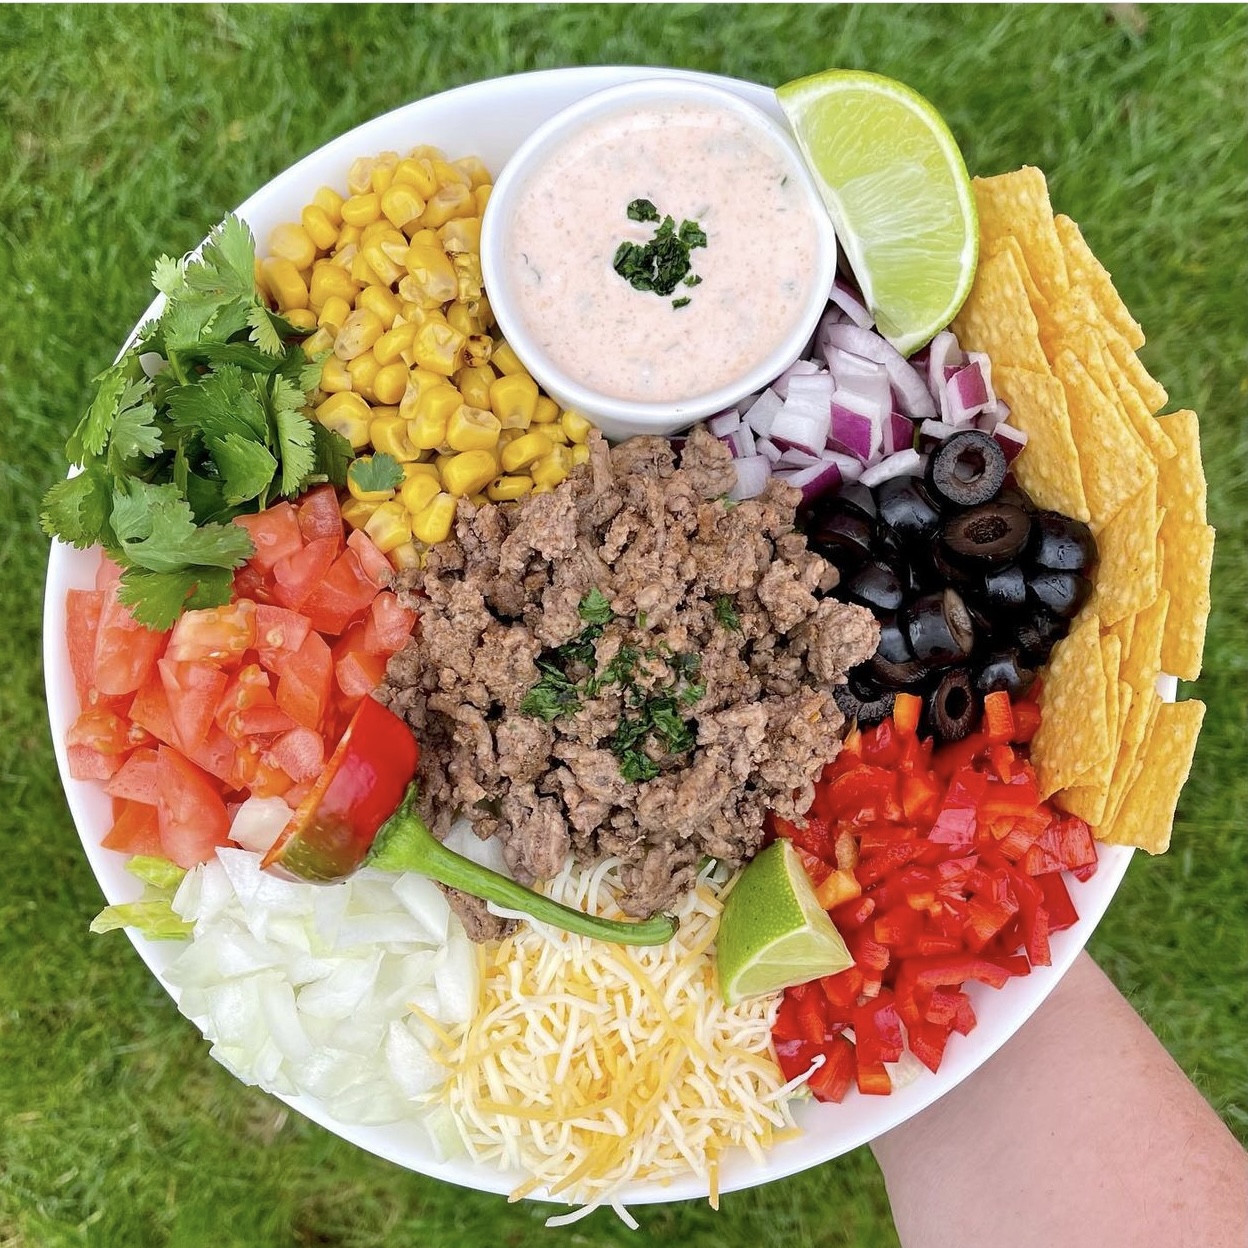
664,262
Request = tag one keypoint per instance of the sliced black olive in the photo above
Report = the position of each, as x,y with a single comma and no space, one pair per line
905,506
945,570
893,644
1016,496
951,707
939,628
992,535
1059,593
967,469
893,666
856,498
844,537
1038,634
1004,590
868,712
874,585
1060,543
1002,671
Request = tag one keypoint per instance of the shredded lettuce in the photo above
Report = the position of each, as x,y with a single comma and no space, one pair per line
152,915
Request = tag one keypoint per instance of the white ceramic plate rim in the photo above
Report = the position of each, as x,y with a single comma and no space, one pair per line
505,110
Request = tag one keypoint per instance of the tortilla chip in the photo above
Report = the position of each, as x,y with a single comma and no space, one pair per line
1145,424
1086,272
1113,462
1137,726
1141,661
1124,630
1126,577
1039,304
1146,816
997,317
1073,741
1091,801
1111,661
1018,203
1181,479
1152,393
1048,468
1188,554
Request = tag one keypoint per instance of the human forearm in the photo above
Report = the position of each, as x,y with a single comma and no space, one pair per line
1081,1131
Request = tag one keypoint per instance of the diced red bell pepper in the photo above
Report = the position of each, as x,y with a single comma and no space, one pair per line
1057,903
998,717
836,1076
873,1079
907,708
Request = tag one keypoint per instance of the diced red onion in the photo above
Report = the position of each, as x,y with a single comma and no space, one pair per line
767,448
942,352
902,464
856,433
899,432
1010,440
937,430
799,368
852,304
910,384
874,386
850,466
804,420
724,423
818,479
845,364
752,477
741,442
763,412
791,457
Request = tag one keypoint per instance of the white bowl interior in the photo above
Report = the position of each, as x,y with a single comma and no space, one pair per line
491,119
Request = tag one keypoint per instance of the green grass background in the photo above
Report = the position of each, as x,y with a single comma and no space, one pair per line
128,132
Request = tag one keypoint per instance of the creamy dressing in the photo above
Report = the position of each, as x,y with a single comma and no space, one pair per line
693,162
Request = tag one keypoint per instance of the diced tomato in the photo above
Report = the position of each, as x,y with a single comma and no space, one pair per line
296,576
218,635
150,710
82,624
342,596
300,753
88,764
275,533
320,516
193,690
359,673
135,830
191,815
125,651
279,634
215,755
375,565
252,584
304,682
136,781
103,730
388,625
248,707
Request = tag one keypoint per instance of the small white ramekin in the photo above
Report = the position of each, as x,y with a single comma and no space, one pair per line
617,417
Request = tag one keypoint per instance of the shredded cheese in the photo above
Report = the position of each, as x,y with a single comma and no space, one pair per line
590,1066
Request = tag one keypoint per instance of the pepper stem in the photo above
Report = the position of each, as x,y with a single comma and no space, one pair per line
404,843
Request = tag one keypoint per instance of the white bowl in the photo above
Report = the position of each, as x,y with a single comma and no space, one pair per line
492,119
621,417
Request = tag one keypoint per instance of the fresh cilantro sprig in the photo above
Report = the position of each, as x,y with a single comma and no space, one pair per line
205,418
664,262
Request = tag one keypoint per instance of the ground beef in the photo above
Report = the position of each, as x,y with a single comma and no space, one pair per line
711,620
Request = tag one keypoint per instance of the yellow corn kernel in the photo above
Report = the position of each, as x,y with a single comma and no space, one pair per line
510,435
431,279
356,513
441,459
474,383
374,230
418,174
475,168
330,203
434,408
575,426
329,281
477,350
316,343
525,450
433,524
426,151
453,199
472,429
320,229
461,234
391,345
386,251
468,279
436,346
257,275
390,384
401,204
302,318
424,380
347,413
292,242
450,174
285,283
482,310
459,315
551,469
389,526
556,434
416,493
482,197
360,175
413,468
334,313
580,453
508,489
546,410
358,333
469,472
363,272
382,301
388,433
335,379
426,238
513,400
348,236
406,557
382,178
367,496
362,209
505,359
364,369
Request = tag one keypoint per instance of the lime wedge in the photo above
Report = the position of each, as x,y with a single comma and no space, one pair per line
773,932
897,190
